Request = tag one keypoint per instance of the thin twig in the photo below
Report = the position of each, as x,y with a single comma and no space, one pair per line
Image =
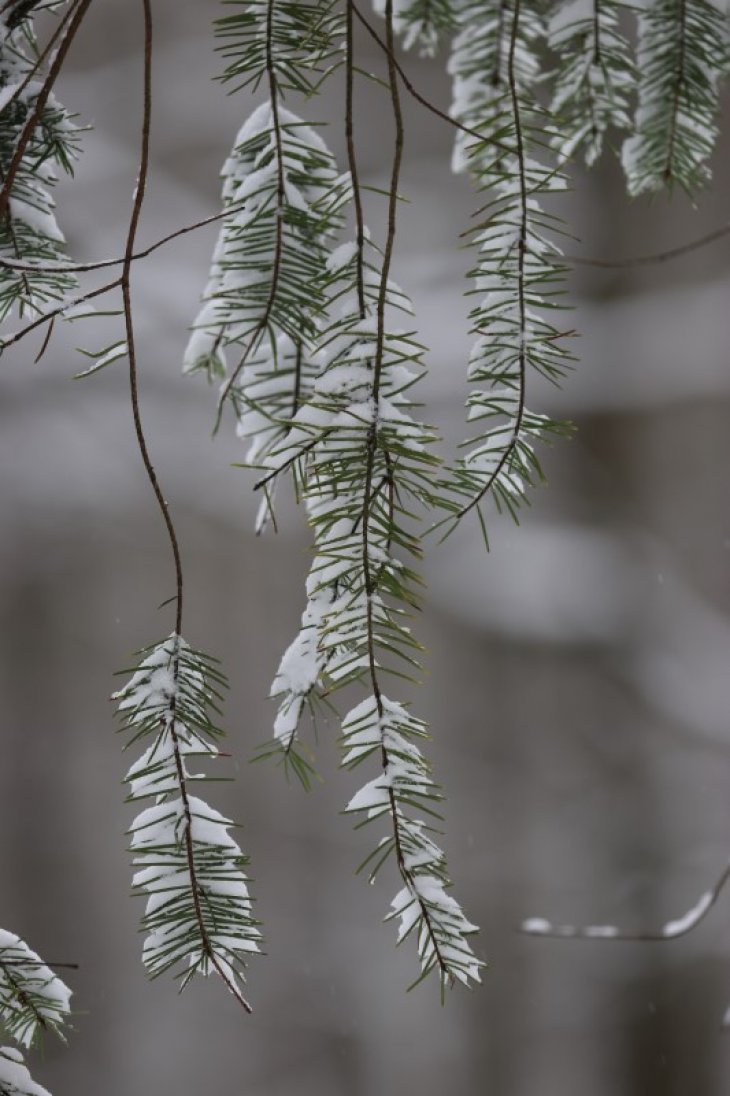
408,84
164,509
673,930
656,258
5,342
102,264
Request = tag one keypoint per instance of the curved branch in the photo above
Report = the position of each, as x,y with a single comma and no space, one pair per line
657,257
397,67
162,503
682,926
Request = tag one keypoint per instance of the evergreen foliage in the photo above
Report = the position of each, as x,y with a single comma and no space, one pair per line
682,56
594,77
33,1001
316,352
198,917
31,242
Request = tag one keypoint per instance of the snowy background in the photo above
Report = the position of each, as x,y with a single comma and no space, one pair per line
579,683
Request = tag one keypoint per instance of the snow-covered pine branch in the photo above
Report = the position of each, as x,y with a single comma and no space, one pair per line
381,729
484,56
284,192
518,270
594,77
421,23
33,1000
683,55
293,44
198,916
364,464
326,449
285,196
15,1080
29,232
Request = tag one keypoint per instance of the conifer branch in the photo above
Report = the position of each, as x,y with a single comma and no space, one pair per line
40,103
683,54
594,77
518,265
198,916
36,135
359,457
33,1000
198,908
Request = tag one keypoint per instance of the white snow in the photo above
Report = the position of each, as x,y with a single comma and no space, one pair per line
691,917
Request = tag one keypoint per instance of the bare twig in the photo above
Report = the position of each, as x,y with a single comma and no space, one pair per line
164,509
682,926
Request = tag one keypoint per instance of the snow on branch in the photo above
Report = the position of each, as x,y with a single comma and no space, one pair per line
15,1080
198,917
671,930
594,77
486,57
284,192
29,231
33,1000
385,730
679,926
683,55
364,463
518,272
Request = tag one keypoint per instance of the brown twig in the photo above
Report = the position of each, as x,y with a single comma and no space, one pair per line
195,889
408,84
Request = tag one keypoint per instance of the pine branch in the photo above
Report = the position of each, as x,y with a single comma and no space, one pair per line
518,269
269,265
15,1080
33,1000
594,76
198,916
37,138
683,55
486,58
293,42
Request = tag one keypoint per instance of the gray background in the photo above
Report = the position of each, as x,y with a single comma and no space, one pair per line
578,682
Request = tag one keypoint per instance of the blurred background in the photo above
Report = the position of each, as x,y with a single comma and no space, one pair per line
578,683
